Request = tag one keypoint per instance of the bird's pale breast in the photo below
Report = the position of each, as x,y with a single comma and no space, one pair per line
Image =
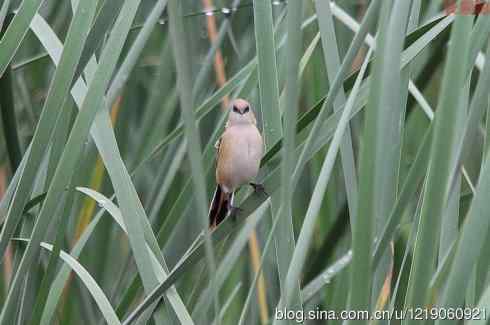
239,155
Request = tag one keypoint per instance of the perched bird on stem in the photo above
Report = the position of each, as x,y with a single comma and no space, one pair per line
239,151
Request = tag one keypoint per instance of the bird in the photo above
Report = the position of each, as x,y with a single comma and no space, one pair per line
239,151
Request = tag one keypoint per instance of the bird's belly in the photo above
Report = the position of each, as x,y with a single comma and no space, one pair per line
244,168
243,163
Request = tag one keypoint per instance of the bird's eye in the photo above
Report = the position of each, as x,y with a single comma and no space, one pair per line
235,109
246,109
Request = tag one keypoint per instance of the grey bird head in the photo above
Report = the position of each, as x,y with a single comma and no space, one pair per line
241,113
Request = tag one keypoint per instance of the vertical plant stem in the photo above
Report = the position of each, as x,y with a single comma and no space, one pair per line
294,46
443,145
332,61
75,40
8,111
3,13
379,167
272,129
184,86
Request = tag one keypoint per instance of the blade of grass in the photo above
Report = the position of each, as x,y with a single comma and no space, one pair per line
210,56
192,256
257,275
53,260
450,216
228,302
481,310
104,20
8,111
324,278
184,87
405,264
475,228
63,275
285,234
439,278
25,62
182,201
170,175
415,175
336,85
134,53
439,27
407,188
405,88
267,71
77,34
229,261
408,55
332,61
443,145
160,273
61,217
16,32
412,181
481,273
53,104
384,271
89,282
478,39
271,118
81,126
378,169
477,108
105,140
164,78
3,13
389,93
469,246
305,235
9,193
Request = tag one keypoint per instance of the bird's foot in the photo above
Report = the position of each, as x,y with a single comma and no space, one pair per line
259,189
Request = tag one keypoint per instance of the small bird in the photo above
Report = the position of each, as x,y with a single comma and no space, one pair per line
239,151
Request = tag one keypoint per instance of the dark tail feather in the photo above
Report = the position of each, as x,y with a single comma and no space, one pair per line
219,207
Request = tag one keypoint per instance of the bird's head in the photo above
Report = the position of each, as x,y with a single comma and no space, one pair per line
241,113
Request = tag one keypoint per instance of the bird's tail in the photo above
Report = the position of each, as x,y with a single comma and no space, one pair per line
219,207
